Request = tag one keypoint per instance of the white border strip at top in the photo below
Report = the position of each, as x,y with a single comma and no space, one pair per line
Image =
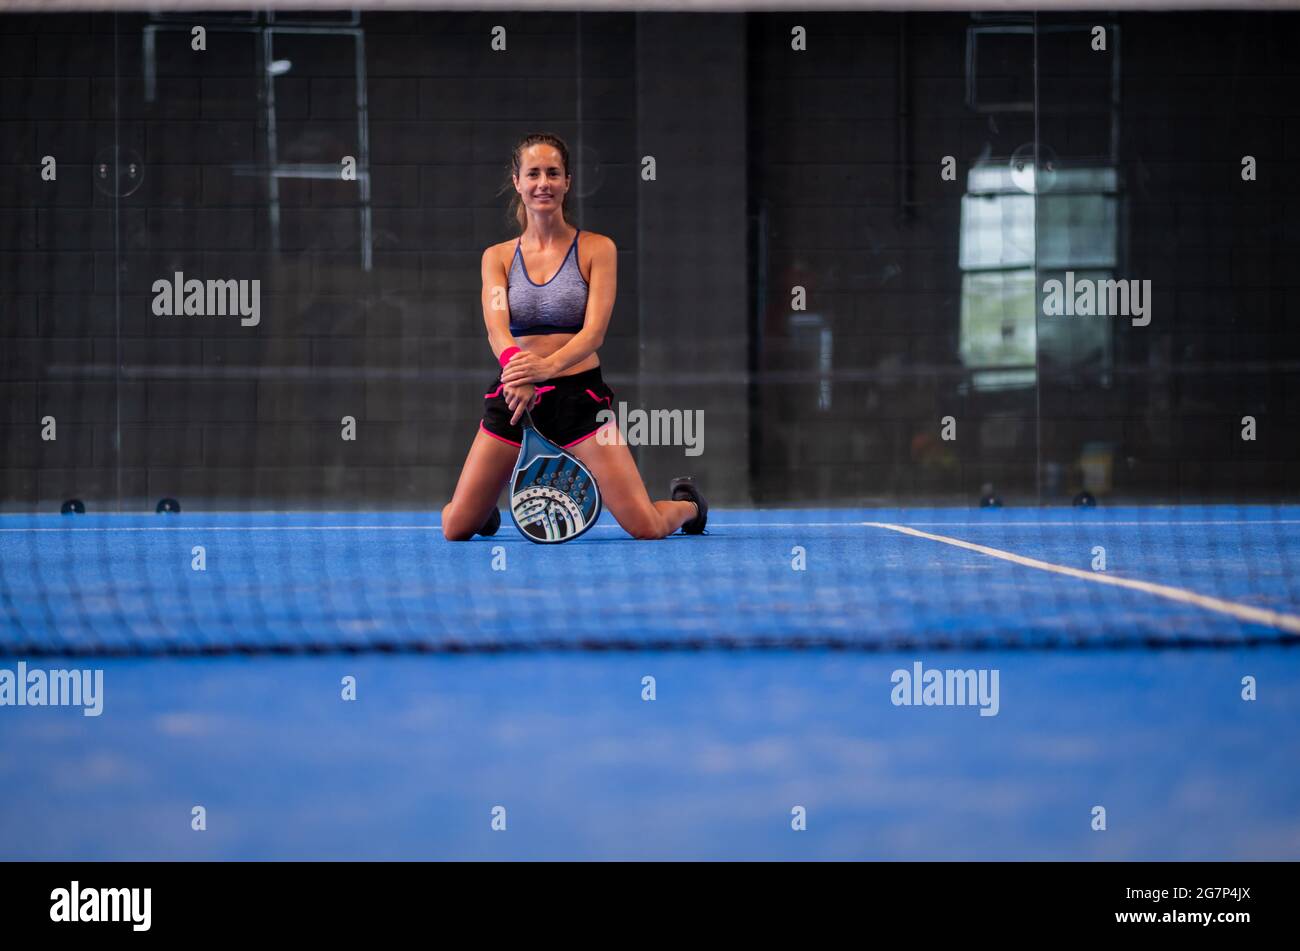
649,6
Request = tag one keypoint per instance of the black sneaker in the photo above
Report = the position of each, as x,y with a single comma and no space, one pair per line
684,489
492,524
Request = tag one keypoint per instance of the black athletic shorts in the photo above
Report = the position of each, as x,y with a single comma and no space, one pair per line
565,413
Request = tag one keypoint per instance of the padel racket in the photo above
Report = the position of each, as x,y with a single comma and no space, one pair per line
553,498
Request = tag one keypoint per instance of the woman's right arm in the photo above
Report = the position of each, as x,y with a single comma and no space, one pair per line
496,304
496,315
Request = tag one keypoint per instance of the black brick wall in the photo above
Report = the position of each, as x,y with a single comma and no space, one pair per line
775,168
850,137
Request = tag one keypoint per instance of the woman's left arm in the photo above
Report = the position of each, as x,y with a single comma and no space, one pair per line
527,367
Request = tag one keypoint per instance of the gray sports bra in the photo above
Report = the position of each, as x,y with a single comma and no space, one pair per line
557,307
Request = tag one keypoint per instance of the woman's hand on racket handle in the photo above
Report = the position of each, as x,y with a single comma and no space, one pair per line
519,397
525,367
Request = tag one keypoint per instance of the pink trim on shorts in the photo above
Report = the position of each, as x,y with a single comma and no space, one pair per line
502,438
600,399
588,436
488,396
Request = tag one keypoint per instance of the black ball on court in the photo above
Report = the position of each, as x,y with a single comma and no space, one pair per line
168,507
1085,500
990,501
73,507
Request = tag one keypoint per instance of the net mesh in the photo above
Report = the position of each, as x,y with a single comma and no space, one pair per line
208,583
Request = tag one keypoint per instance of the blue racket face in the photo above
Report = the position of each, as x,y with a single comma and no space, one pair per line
553,498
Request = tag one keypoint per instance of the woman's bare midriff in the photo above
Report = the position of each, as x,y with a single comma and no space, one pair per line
543,345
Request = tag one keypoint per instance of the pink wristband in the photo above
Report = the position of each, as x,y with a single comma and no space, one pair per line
506,354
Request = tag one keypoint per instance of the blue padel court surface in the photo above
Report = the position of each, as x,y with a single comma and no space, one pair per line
712,768
865,579
567,743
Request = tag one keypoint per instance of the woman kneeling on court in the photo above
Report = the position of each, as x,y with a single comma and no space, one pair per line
545,336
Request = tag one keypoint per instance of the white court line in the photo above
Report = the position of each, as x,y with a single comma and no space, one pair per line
1086,522
1242,612
991,522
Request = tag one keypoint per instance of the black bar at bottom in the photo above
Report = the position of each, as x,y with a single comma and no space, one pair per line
332,901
